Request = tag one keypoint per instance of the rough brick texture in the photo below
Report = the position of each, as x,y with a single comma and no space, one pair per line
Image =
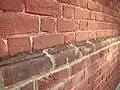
59,44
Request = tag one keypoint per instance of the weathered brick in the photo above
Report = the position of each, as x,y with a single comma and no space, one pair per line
66,56
70,37
19,44
52,79
67,25
68,12
11,5
81,13
13,23
81,36
57,49
45,41
15,73
60,59
43,7
29,86
86,49
48,25
3,48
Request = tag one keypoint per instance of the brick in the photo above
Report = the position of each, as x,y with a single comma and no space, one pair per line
11,5
43,7
68,12
57,49
87,61
95,57
89,87
94,76
81,13
104,67
92,5
52,79
83,25
48,25
60,59
13,23
78,77
92,68
82,36
70,37
29,86
67,86
97,81
86,49
100,17
3,48
45,41
100,7
106,10
65,56
67,25
93,15
99,34
64,86
19,45
93,25
82,85
82,3
77,67
73,2
96,88
91,34
15,73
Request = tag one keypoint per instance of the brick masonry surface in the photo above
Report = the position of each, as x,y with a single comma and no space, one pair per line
59,44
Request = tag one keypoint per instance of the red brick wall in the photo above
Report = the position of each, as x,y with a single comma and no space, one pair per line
30,27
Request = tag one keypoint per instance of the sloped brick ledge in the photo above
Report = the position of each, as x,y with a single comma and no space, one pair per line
86,60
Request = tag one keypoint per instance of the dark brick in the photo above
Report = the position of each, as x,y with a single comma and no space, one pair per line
21,71
57,49
86,49
61,58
